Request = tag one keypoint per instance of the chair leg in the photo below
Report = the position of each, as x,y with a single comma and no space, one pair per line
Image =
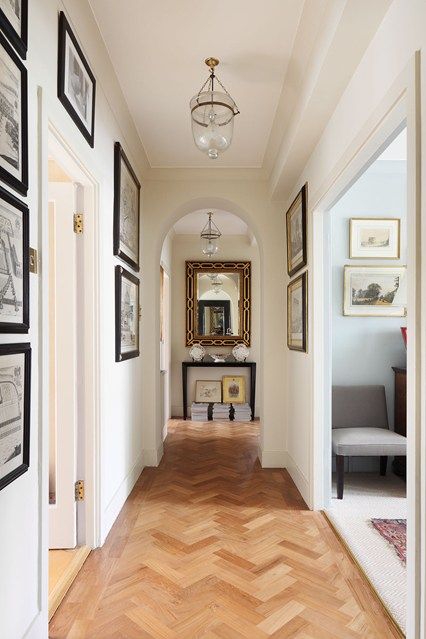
340,467
383,465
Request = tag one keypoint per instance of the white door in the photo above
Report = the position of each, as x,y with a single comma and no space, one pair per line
63,365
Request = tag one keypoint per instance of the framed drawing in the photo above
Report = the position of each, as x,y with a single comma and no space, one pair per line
15,393
76,82
208,391
296,232
374,291
14,265
14,24
234,389
126,315
13,119
126,209
297,314
374,238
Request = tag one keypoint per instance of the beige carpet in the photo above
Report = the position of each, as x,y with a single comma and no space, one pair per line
368,495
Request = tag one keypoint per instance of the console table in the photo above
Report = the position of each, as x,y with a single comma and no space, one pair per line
400,463
250,365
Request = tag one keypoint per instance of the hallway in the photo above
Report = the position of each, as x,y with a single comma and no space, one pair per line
211,545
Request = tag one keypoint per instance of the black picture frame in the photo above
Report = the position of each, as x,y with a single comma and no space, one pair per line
18,184
301,200
17,327
18,40
64,32
120,274
119,157
303,280
16,349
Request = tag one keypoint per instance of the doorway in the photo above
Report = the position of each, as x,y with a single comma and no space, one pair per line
70,369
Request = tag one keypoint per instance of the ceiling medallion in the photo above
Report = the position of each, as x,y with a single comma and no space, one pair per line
212,115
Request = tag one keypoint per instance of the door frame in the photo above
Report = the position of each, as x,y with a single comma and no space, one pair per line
399,108
89,448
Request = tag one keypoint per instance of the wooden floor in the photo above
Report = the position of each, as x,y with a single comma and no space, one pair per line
211,545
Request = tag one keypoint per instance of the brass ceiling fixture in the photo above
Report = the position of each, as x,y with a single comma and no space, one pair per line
212,115
210,237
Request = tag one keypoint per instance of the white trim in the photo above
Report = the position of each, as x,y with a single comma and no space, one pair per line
118,500
272,458
299,478
152,456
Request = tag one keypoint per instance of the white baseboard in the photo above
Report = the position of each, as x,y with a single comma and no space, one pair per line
152,456
272,458
112,511
299,478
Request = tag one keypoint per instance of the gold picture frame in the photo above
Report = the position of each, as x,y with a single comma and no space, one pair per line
297,314
374,291
375,238
234,389
296,232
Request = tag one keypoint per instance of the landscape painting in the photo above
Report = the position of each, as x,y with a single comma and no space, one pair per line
374,291
126,314
296,233
14,267
297,314
126,209
14,411
13,119
372,238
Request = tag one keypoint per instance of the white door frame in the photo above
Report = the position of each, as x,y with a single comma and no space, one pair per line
400,107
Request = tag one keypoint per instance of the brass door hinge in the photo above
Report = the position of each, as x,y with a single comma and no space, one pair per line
79,490
78,223
33,261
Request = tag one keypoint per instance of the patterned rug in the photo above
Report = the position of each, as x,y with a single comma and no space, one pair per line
395,533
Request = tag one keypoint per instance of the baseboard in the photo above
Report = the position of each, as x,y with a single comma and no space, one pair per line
299,478
64,583
112,511
152,456
272,458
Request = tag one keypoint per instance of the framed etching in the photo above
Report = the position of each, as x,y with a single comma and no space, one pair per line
13,119
374,291
126,315
296,232
126,209
14,24
14,265
208,391
76,82
297,314
374,238
15,394
234,389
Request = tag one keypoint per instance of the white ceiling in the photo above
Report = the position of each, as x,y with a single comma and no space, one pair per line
228,223
158,49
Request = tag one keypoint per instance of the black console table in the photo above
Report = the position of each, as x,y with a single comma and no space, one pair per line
250,365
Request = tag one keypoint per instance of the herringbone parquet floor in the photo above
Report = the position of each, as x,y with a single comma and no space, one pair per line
211,545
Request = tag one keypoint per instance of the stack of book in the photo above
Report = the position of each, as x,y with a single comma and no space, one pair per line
221,412
199,412
242,412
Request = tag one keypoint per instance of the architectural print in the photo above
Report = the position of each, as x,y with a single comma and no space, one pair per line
127,314
234,389
126,209
296,233
297,313
14,23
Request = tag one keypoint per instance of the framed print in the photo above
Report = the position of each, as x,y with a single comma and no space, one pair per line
14,24
15,392
297,314
126,315
76,82
296,232
14,265
374,291
208,391
126,209
13,119
374,238
234,389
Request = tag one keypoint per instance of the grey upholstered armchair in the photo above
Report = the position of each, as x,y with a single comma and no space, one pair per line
361,429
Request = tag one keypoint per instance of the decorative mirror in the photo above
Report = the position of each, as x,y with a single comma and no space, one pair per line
218,303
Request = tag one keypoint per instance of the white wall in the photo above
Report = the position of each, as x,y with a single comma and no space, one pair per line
24,503
232,248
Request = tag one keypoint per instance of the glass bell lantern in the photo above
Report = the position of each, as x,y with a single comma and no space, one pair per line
212,115
210,237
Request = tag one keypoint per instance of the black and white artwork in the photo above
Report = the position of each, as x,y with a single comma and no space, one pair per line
14,23
14,265
297,314
15,379
375,291
296,233
373,238
126,315
76,82
13,119
126,209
